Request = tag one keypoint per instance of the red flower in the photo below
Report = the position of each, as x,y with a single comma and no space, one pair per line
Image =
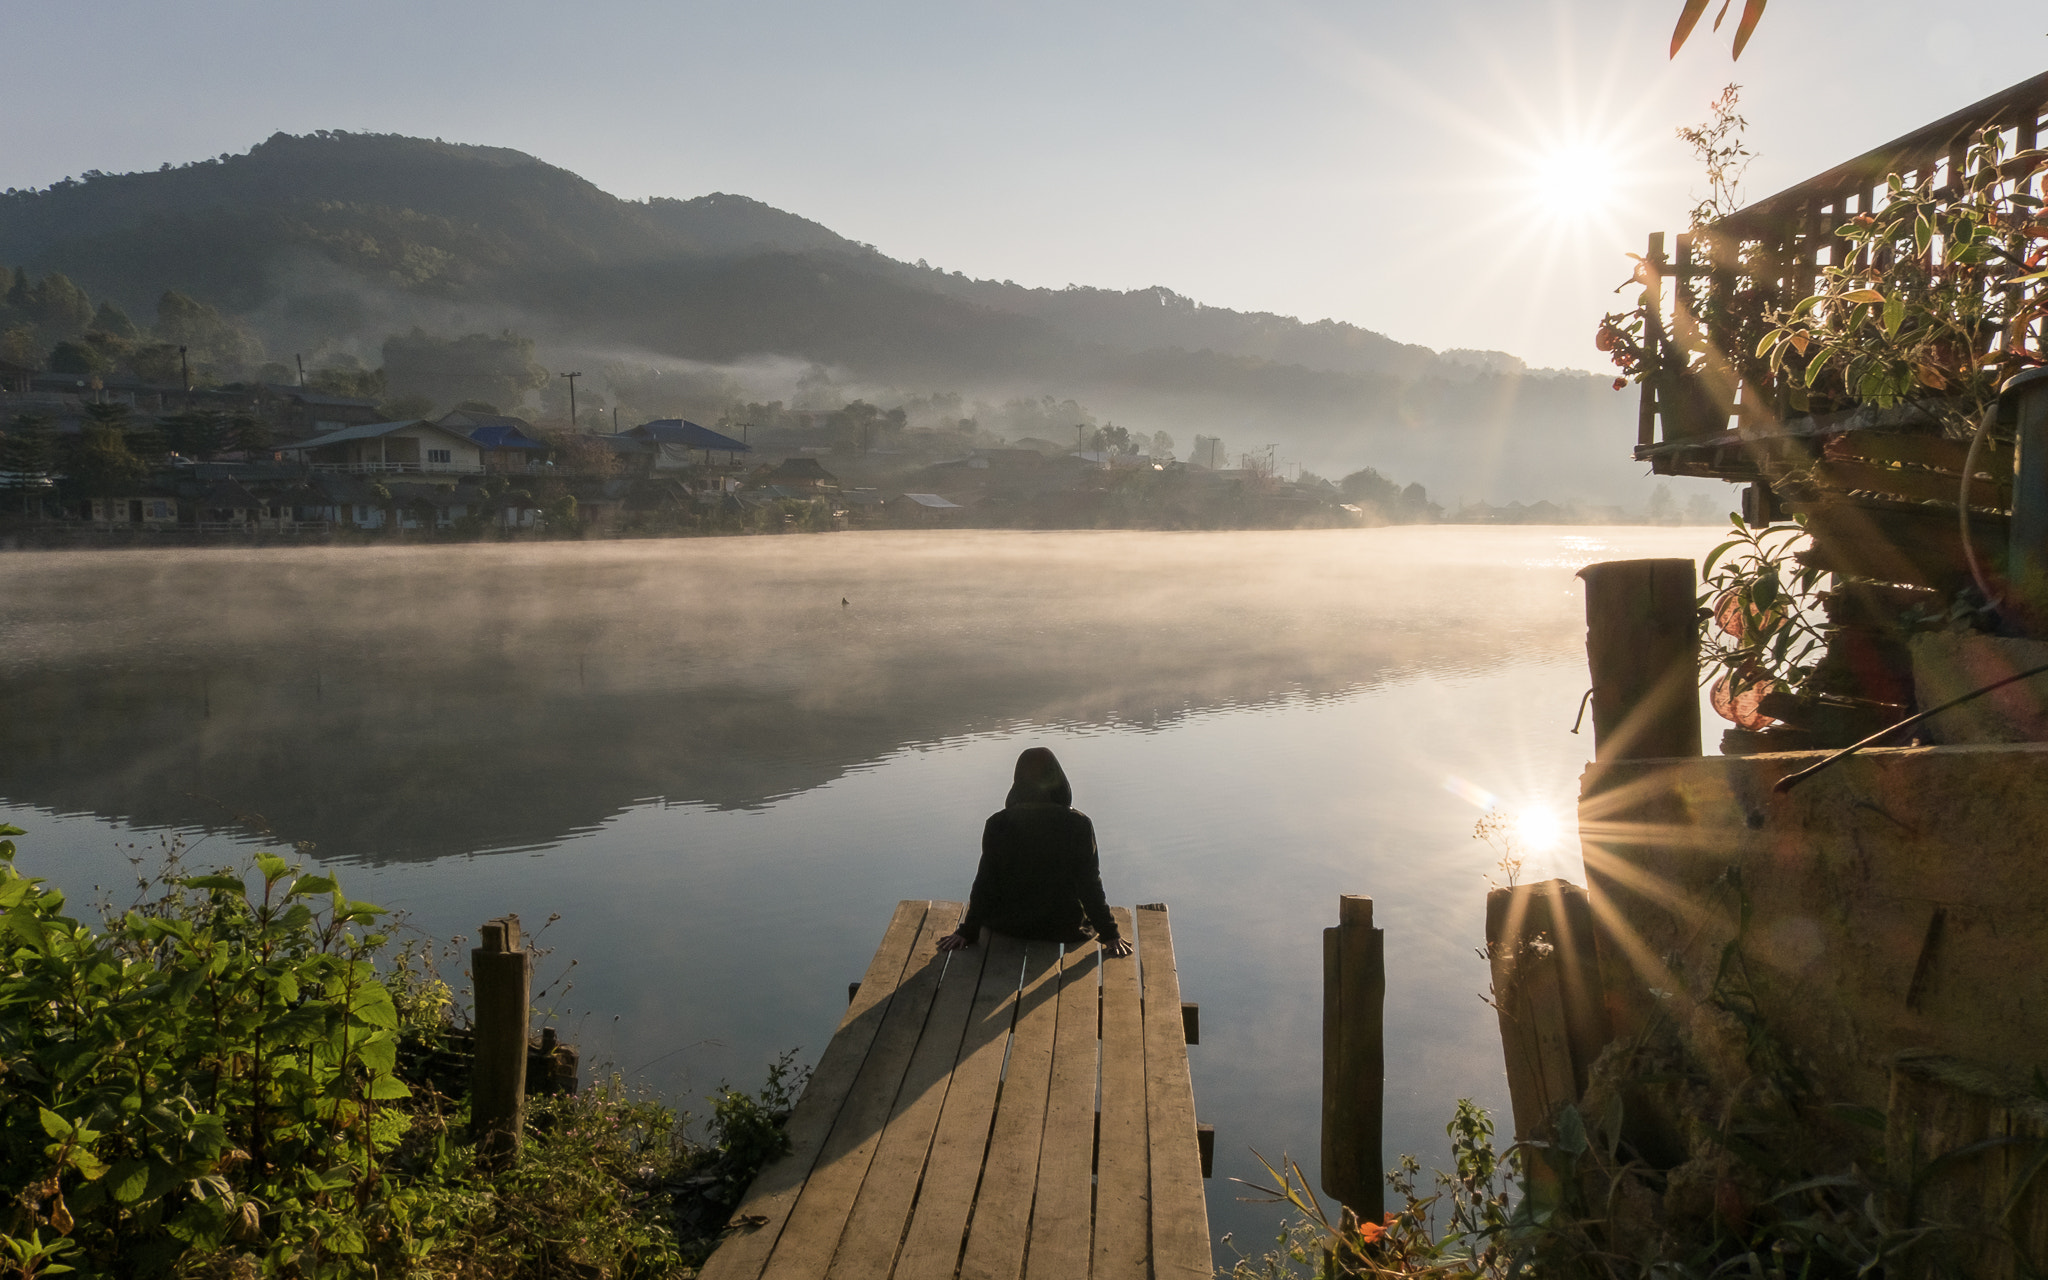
1621,384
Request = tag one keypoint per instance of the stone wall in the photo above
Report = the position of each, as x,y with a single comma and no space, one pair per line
1894,901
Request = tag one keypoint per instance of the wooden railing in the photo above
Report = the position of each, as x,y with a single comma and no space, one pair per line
1711,406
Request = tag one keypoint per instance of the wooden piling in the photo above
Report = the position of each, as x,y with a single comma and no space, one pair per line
501,972
1546,993
1642,643
1354,1059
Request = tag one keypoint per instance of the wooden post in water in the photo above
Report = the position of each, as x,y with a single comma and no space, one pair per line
1354,1059
501,971
1642,643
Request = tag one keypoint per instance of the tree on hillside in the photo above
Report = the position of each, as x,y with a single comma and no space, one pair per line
114,322
58,307
344,375
81,358
221,345
497,368
20,344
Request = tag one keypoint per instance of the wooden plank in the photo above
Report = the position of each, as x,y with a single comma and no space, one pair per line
1994,457
1180,1213
1908,485
1123,1190
1002,1210
931,1246
775,1191
874,1230
1059,1242
812,1234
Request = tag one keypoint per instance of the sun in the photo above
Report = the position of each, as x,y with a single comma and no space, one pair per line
1572,181
1538,828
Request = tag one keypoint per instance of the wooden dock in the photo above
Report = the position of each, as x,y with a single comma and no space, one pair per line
1003,1111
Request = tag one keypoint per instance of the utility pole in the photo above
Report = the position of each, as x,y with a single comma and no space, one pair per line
572,396
302,371
615,419
186,368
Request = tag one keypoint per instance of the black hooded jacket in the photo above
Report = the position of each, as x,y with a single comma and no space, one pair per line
1039,876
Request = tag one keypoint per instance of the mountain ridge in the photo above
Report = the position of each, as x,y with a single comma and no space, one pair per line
328,239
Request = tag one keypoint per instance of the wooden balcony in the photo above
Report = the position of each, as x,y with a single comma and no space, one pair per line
1711,406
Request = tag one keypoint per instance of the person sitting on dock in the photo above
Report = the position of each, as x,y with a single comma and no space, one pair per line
1040,877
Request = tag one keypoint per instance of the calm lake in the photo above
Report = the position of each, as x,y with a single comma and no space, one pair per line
721,762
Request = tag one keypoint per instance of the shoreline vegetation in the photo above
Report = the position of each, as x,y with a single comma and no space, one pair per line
244,1074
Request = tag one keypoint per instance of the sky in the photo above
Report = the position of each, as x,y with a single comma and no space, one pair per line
1458,174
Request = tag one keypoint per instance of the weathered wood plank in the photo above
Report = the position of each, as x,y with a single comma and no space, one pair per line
1009,1176
1851,476
775,1191
1060,1240
1123,1191
874,1230
931,1246
812,1234
1180,1213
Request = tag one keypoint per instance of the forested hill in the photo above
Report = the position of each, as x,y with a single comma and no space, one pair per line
333,240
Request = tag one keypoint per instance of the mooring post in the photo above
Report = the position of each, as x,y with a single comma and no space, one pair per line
1354,1059
1546,993
1642,644
501,972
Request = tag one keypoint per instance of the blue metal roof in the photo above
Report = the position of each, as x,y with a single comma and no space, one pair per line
505,437
687,434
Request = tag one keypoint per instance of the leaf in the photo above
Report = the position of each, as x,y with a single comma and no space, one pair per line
230,884
1752,13
273,867
1894,315
1860,296
128,1180
1688,18
53,1124
386,1088
312,884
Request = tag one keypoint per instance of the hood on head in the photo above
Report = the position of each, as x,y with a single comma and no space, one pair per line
1040,780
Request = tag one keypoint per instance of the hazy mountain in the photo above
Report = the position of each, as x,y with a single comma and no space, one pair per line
332,240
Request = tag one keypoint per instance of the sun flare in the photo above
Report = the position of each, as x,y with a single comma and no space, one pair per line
1573,181
1538,828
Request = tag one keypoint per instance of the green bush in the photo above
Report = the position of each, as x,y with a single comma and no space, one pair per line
222,1081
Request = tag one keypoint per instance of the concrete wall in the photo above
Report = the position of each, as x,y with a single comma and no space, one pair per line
1896,900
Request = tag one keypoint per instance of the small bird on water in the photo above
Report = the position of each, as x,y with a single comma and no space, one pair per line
842,602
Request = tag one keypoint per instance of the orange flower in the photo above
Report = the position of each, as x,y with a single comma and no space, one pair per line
1371,1231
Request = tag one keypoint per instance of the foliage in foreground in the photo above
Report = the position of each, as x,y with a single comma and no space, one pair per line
221,1081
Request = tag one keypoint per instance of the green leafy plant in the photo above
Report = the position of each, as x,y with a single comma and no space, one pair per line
1764,633
1923,301
238,1076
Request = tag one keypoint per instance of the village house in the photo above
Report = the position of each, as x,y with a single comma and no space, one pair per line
671,444
800,475
391,447
507,443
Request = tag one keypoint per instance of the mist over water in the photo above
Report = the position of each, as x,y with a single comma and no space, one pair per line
723,778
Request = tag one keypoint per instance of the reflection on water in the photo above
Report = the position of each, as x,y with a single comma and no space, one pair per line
722,777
